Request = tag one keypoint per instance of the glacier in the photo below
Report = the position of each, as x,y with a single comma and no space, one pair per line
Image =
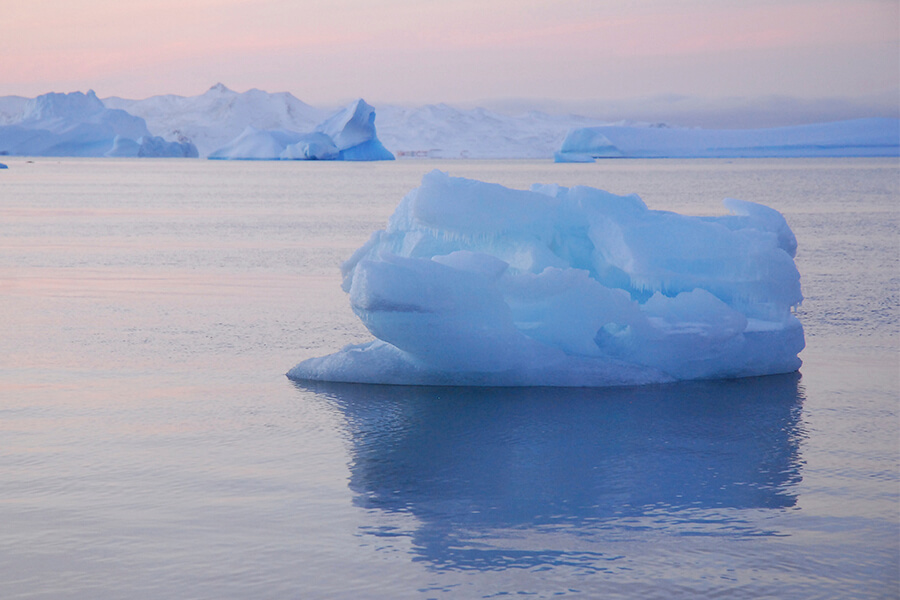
472,283
349,134
857,137
78,124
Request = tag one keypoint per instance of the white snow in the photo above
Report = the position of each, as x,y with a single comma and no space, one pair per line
442,131
78,124
11,108
859,137
472,283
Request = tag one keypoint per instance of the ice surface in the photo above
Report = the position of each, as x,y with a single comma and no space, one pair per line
472,283
860,137
79,124
349,134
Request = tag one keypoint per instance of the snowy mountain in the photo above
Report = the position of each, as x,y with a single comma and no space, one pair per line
80,124
215,118
442,131
11,108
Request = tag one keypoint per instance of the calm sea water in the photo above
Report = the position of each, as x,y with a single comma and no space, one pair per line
151,446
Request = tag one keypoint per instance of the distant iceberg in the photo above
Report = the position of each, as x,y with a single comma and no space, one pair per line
215,118
255,144
860,137
79,124
349,134
473,283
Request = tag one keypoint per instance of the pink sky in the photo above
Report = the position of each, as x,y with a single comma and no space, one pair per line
326,51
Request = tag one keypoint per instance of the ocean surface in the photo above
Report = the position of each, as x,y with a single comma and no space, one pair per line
151,446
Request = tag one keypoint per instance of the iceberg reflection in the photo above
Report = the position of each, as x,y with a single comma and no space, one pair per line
474,464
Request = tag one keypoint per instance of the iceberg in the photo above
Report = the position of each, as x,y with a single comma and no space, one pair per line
151,146
349,134
312,146
78,124
472,283
352,130
858,137
219,115
254,144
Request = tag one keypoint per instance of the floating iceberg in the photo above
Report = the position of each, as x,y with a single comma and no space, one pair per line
312,146
349,134
219,115
79,124
860,137
473,283
255,144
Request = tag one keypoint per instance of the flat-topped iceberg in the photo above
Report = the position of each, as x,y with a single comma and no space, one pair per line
349,134
80,124
473,283
859,137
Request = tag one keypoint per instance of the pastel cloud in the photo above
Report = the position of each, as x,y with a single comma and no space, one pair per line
428,50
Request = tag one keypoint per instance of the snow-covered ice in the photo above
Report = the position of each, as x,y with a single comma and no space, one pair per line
472,283
349,134
859,137
78,124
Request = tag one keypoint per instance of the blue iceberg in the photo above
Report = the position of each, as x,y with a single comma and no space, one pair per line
472,283
80,124
349,134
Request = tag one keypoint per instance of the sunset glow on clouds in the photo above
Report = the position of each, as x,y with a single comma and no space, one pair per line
452,50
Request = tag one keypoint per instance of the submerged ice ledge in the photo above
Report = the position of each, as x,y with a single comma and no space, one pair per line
472,283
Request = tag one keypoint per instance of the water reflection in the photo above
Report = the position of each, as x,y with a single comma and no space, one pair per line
472,465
